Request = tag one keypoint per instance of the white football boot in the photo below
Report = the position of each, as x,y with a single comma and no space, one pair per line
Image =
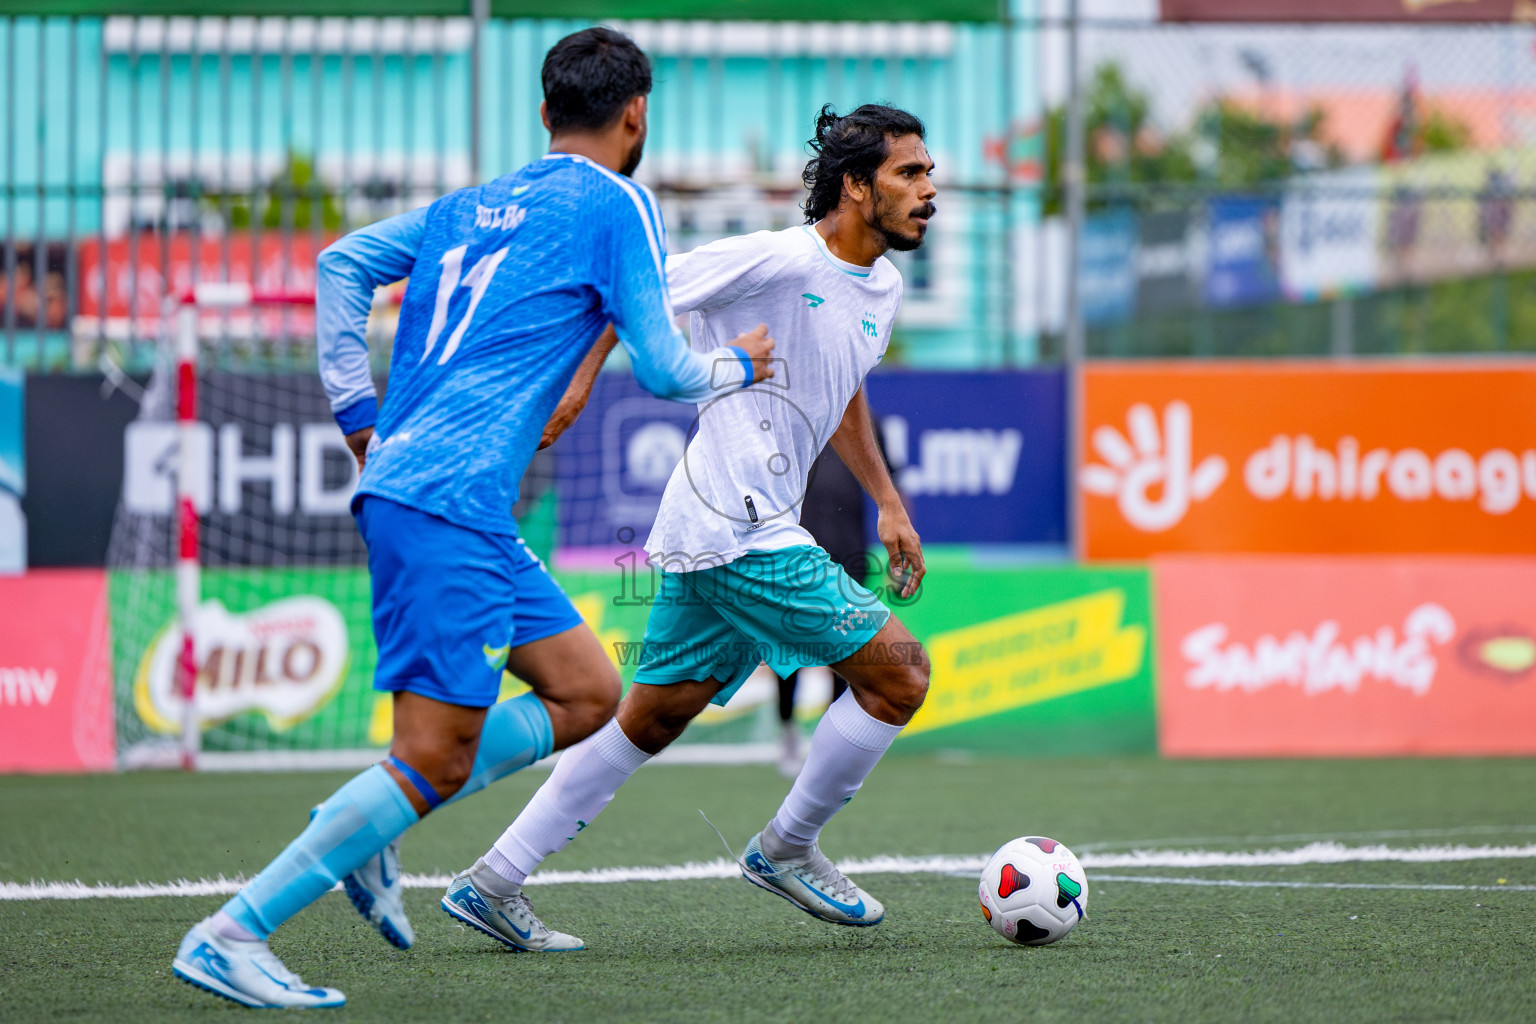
376,893
510,921
808,880
245,972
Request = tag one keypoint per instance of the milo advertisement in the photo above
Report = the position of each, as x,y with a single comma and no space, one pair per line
284,656
1026,660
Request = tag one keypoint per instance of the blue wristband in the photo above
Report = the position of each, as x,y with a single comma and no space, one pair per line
360,414
746,363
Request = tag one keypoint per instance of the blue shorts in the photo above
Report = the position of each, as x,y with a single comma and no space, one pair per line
790,608
449,603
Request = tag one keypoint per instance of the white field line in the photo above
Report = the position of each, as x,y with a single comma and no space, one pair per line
1496,831
1238,883
1311,853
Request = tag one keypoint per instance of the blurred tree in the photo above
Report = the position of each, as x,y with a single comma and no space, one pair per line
1243,147
1441,132
1230,145
296,197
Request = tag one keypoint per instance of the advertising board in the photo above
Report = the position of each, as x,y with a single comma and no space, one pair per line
1318,458
55,680
1343,657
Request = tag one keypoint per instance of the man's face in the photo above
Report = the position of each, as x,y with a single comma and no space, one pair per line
637,149
903,194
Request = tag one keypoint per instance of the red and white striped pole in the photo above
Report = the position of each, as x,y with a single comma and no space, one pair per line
188,567
210,295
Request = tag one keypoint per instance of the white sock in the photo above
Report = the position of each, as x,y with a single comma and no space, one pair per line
226,927
845,748
581,785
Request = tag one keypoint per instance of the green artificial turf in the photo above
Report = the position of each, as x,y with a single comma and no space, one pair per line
724,951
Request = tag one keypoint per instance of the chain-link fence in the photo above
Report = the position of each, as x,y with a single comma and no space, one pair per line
144,153
1251,190
1309,189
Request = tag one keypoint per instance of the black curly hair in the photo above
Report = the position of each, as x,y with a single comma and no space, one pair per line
853,144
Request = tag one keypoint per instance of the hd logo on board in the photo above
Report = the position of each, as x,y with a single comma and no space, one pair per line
284,660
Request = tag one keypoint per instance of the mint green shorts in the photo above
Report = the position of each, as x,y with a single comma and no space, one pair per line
790,608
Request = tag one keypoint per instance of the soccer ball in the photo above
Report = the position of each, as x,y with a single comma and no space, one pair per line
1033,891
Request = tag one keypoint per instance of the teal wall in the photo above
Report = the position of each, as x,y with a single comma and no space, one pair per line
723,111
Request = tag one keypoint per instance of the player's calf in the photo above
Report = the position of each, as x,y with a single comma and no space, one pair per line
887,679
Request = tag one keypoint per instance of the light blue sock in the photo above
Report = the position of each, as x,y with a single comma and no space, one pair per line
516,733
356,822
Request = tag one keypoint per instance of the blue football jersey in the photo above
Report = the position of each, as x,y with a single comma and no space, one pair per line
510,283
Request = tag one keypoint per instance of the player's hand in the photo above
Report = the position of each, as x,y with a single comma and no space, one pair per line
560,420
357,443
904,548
759,348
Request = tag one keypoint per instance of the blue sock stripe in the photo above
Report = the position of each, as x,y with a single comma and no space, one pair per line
416,779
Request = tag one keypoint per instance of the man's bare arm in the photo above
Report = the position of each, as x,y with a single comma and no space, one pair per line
575,398
854,442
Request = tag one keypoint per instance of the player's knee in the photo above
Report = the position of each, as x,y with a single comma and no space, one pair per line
445,769
670,723
452,772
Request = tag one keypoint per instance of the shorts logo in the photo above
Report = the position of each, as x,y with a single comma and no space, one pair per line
496,657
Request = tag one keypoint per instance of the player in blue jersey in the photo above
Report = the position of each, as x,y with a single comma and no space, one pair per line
740,578
510,284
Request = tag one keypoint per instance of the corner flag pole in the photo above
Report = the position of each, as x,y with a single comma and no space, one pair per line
188,568
189,582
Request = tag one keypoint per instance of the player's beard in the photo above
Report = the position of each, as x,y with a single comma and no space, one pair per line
890,221
632,161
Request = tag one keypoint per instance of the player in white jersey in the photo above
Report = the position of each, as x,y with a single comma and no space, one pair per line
741,580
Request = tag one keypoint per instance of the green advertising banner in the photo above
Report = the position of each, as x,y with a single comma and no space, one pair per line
285,660
1026,660
1043,660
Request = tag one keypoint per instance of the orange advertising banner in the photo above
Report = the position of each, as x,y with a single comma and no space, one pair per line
1345,657
1309,458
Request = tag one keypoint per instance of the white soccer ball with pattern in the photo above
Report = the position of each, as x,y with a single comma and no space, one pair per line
1033,891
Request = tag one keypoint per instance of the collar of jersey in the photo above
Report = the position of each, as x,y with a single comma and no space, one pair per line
852,270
